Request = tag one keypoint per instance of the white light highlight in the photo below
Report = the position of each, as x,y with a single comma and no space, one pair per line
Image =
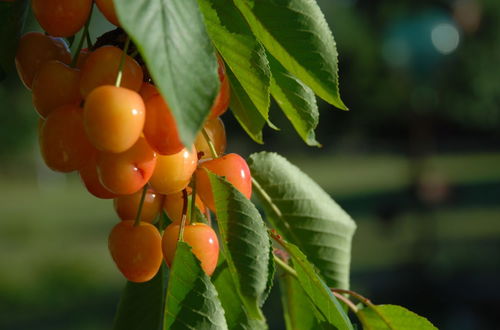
445,38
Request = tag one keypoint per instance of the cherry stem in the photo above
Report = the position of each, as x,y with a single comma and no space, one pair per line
346,301
289,270
141,203
366,302
209,142
122,62
193,198
184,211
84,35
89,40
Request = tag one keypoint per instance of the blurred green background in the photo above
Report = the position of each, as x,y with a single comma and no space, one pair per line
416,162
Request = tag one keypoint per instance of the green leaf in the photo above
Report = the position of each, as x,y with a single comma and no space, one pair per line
192,301
171,37
246,243
297,308
12,15
317,291
244,110
241,51
234,310
296,100
305,215
141,305
398,318
296,33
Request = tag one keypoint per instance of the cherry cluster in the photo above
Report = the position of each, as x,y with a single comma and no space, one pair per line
102,116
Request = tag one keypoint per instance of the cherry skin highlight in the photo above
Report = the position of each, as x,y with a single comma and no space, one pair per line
55,84
101,68
63,143
127,172
127,206
61,18
217,134
33,50
173,172
200,237
114,118
231,166
136,250
160,128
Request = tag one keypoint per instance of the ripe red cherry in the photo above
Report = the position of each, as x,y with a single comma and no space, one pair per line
55,84
127,206
231,166
136,250
200,237
114,118
160,128
61,18
35,49
223,97
127,172
63,142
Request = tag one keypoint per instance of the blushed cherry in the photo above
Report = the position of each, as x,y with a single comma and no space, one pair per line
114,118
107,8
127,172
222,100
90,178
61,18
136,250
173,205
200,237
231,166
173,172
217,134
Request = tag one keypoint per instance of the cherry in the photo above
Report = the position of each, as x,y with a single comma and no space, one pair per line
127,172
217,134
160,128
136,250
173,172
147,91
231,166
101,68
173,204
114,118
90,179
221,102
63,143
35,49
126,206
82,58
55,84
107,8
200,237
61,18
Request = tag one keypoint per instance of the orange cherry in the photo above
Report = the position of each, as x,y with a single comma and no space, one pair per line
114,118
55,84
174,203
173,172
35,49
127,206
147,91
217,134
221,102
107,8
82,58
231,166
200,237
63,142
136,250
61,18
127,172
101,68
90,178
160,128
